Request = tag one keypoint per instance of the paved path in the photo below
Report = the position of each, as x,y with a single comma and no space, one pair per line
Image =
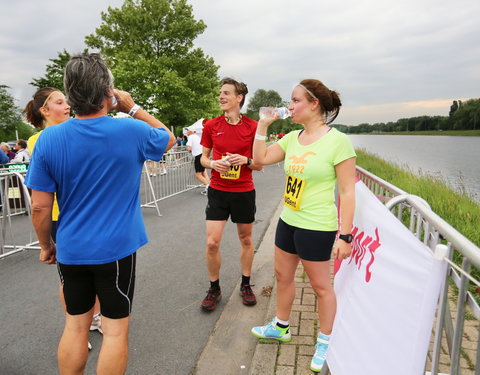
168,329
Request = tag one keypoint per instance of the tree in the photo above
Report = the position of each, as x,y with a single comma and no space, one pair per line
148,44
264,98
269,98
53,72
11,118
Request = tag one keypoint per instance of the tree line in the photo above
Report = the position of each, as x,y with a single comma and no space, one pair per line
462,116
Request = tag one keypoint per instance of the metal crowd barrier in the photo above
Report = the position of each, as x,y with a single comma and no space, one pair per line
173,175
17,231
432,230
15,222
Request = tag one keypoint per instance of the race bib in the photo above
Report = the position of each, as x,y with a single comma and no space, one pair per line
233,173
292,196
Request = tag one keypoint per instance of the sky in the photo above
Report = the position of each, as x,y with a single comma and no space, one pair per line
387,59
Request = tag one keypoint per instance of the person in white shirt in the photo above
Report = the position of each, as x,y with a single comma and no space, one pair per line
194,146
22,156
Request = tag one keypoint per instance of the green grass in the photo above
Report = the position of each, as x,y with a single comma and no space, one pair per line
460,210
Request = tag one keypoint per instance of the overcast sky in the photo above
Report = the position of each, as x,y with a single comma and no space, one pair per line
387,59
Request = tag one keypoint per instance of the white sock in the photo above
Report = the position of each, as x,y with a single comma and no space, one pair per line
282,322
323,337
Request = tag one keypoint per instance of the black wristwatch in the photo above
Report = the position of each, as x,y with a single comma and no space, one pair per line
348,238
249,161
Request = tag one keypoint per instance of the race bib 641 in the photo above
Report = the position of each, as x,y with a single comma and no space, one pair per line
292,195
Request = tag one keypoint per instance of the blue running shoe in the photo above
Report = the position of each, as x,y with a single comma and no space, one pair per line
272,331
320,352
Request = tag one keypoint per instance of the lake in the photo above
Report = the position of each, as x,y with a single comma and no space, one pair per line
456,159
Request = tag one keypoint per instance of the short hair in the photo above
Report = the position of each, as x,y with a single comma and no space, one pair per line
22,143
240,87
5,144
87,82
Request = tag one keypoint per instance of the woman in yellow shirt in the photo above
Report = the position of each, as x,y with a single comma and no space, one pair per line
47,108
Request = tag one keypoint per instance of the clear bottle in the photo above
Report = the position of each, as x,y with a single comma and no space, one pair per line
265,112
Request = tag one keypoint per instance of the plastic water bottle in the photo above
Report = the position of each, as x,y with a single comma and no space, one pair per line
266,112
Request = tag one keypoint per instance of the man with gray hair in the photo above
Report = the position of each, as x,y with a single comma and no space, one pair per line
100,224
4,159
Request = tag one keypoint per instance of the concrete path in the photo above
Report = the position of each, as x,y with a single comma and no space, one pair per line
168,329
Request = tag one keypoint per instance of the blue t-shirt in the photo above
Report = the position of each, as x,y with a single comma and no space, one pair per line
94,166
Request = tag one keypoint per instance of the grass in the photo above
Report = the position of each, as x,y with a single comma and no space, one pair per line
461,211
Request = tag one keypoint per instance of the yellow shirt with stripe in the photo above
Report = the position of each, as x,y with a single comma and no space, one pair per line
31,145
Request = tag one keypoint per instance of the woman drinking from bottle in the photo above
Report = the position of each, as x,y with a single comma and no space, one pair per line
316,158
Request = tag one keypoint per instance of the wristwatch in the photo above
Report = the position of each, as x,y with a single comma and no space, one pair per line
249,161
348,238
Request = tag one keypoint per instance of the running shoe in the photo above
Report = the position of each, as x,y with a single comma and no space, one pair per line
96,323
214,295
248,297
320,352
272,331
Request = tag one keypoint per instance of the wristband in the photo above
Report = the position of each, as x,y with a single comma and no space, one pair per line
211,164
260,137
134,110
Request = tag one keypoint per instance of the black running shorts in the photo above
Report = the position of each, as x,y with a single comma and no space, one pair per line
199,168
313,245
222,204
112,282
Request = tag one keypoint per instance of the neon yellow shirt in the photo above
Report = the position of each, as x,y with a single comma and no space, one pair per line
309,195
31,145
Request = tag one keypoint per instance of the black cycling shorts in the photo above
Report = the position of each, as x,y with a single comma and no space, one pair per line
222,204
313,245
112,282
199,168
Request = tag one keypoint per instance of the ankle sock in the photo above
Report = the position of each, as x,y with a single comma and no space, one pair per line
215,284
281,323
323,336
245,280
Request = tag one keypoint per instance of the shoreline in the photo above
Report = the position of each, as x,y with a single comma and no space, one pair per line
457,133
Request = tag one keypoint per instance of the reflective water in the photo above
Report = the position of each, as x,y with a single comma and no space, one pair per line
457,159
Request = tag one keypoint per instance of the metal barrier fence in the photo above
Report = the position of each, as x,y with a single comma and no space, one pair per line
17,231
173,175
449,328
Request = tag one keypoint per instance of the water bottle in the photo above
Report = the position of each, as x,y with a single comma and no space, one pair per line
266,112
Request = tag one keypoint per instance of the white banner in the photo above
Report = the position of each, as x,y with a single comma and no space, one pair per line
387,293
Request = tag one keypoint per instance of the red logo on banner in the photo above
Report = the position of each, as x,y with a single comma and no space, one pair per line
361,245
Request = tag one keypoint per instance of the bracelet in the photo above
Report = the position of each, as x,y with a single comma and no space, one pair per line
211,164
134,110
260,137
